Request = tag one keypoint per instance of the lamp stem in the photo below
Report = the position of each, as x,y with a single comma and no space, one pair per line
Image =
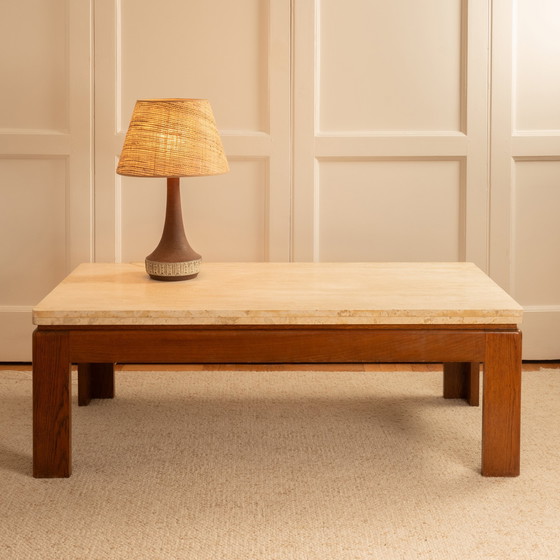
173,259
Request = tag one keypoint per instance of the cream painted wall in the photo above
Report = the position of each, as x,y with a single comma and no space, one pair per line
525,166
356,130
236,54
46,187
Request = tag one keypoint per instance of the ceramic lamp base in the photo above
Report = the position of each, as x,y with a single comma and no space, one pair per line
173,271
173,259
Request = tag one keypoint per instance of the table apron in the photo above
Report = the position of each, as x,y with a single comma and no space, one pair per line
276,345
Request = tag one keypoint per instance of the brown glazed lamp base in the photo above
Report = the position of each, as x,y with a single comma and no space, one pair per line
173,259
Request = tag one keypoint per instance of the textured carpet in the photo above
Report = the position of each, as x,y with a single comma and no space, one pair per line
280,465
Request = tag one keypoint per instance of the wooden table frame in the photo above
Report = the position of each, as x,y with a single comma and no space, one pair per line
461,348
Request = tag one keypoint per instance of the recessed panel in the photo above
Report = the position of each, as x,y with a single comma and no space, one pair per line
33,38
224,215
32,228
390,211
537,233
390,65
537,80
17,331
214,49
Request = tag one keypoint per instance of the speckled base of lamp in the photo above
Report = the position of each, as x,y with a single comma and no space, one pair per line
173,259
173,271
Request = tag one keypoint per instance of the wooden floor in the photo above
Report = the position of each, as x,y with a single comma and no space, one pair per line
527,366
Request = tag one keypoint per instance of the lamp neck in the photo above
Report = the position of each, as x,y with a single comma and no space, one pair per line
173,246
173,213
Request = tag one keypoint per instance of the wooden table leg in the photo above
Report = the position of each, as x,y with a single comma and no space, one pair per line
95,381
461,380
51,405
501,405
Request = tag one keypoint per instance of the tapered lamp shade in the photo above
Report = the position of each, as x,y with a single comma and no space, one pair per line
172,138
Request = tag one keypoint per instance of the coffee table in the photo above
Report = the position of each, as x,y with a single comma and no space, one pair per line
296,313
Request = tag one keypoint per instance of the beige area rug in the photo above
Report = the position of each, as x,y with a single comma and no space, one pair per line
280,465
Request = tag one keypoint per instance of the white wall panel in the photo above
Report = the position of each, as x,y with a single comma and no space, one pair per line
33,55
227,218
224,216
211,49
237,55
45,156
369,211
390,65
537,79
540,333
537,233
525,166
391,101
32,227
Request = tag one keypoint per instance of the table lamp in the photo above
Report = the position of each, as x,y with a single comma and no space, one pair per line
172,138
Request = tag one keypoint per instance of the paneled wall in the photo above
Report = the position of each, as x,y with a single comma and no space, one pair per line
391,130
236,54
525,165
45,159
360,130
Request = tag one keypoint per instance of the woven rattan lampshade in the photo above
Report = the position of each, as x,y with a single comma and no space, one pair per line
172,138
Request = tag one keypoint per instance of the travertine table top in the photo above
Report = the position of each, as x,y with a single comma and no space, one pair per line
281,294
